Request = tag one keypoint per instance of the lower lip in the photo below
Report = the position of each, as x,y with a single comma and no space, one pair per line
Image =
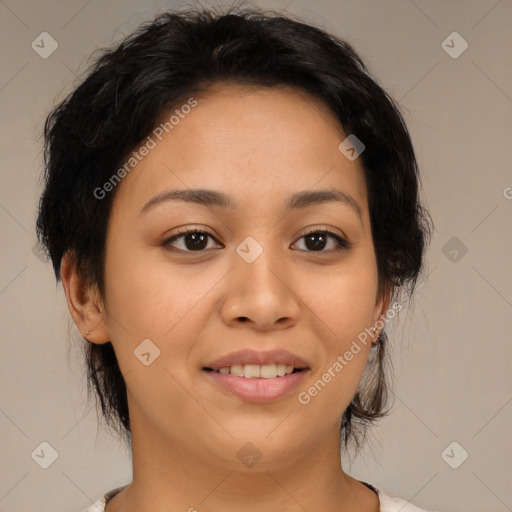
258,389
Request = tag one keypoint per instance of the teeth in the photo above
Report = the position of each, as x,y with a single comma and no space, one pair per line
251,371
254,371
268,371
237,370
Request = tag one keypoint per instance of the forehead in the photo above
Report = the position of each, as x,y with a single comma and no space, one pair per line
253,143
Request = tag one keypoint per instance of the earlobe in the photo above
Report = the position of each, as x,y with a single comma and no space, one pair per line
84,302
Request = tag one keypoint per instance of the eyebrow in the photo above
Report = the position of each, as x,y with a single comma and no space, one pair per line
302,199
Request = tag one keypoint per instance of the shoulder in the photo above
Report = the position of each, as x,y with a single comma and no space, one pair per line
99,505
388,504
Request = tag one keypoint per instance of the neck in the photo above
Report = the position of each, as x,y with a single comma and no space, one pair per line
168,476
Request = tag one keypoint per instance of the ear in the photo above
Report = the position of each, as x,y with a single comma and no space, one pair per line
381,307
84,301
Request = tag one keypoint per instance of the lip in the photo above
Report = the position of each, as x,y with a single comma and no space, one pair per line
258,389
248,356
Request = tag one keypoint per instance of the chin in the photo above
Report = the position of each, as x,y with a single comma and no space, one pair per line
258,449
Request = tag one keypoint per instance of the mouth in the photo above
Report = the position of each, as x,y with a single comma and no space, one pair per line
256,371
257,376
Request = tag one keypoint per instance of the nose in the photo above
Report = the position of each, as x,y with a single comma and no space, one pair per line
261,293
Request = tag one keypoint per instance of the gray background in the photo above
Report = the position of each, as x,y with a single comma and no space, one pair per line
451,349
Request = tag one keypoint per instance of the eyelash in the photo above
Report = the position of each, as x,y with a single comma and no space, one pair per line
342,244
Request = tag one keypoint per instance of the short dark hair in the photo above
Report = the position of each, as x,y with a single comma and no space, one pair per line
183,53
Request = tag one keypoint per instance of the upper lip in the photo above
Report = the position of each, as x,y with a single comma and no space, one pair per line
248,356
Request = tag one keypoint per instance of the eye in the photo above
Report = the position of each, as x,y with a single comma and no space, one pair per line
194,240
316,240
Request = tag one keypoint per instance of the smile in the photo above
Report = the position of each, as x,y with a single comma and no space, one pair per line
253,371
255,383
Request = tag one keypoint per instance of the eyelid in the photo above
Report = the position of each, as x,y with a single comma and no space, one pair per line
196,228
342,240
323,229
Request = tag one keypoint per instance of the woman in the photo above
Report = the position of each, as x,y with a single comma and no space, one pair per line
231,202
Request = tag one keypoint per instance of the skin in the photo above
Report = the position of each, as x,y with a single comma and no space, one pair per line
258,146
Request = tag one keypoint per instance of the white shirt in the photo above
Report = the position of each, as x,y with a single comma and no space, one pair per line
387,504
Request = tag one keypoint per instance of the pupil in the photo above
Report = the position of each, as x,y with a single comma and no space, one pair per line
318,241
198,241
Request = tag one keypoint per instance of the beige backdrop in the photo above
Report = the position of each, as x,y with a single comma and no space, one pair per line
452,349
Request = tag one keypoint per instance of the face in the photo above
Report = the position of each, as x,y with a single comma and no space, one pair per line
248,277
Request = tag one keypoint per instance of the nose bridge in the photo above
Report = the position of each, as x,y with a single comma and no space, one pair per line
261,262
259,289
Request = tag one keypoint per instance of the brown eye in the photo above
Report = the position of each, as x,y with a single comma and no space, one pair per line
193,240
317,240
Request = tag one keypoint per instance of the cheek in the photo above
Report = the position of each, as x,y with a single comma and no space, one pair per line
148,297
344,307
146,293
345,300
